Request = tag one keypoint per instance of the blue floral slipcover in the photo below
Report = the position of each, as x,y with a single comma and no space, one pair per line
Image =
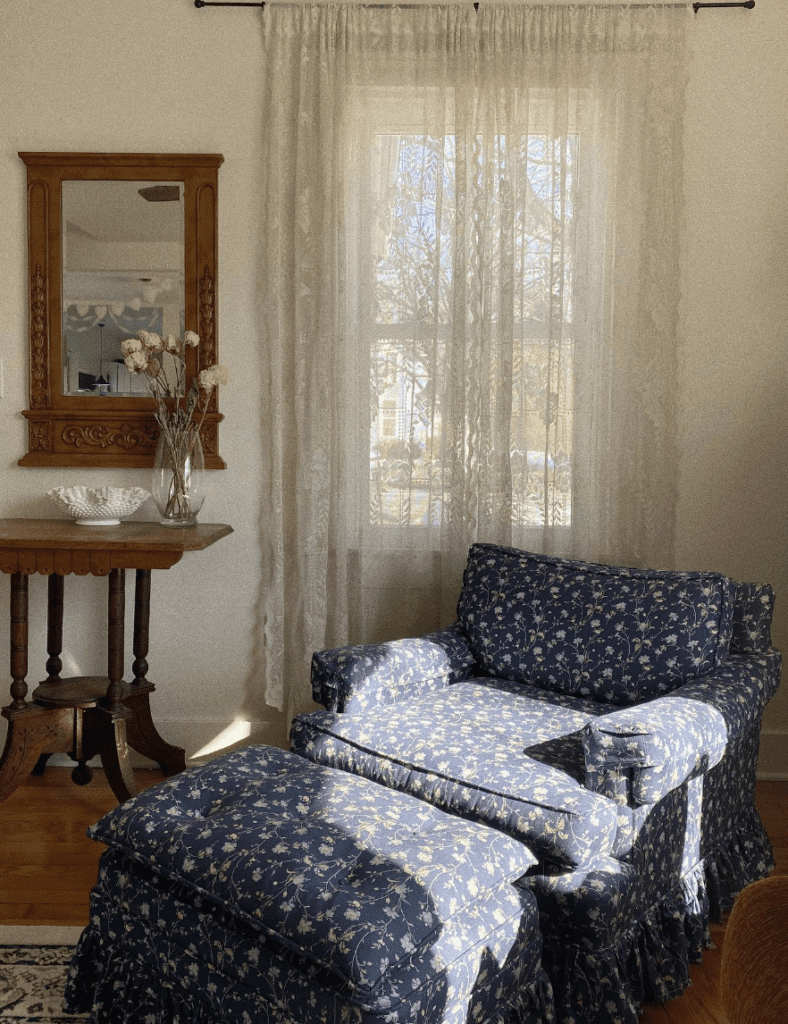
609,718
592,733
354,678
487,750
600,631
264,888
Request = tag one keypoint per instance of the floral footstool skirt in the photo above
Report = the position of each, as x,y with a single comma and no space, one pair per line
265,888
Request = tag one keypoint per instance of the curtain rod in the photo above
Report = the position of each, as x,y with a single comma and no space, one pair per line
749,4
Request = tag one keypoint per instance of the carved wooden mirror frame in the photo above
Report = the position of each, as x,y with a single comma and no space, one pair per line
84,430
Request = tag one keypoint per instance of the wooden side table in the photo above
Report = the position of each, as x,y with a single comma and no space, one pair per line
86,716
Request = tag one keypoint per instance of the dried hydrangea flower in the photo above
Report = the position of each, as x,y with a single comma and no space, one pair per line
129,345
136,361
214,376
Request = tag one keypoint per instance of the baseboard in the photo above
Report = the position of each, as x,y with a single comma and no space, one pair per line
202,739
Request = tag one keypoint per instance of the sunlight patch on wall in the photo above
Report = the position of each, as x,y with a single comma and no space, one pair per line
235,733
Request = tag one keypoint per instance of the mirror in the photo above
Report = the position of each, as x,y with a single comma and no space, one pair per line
117,243
123,265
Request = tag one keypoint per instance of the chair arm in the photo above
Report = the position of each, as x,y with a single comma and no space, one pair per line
638,754
361,676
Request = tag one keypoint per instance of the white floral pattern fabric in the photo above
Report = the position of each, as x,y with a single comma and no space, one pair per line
620,931
362,676
482,750
353,892
611,633
325,885
752,618
156,954
637,755
666,742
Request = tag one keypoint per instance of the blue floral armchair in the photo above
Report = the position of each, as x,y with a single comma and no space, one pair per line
607,718
592,733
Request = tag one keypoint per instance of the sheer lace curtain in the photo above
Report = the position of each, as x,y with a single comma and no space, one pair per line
471,292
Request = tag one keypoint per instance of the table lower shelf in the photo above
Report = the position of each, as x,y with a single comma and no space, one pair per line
81,691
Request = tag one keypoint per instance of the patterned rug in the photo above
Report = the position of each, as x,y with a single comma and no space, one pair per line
33,966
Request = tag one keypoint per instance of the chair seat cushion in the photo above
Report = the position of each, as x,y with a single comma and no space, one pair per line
615,634
489,750
366,883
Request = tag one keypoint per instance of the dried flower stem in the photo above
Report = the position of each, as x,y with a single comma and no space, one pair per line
175,424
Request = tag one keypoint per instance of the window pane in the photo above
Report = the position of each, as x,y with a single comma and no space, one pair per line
529,211
414,243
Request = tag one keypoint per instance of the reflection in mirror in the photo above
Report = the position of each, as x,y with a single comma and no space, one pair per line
123,260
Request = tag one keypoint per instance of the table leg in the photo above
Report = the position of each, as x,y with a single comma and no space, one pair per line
31,729
141,625
145,739
104,727
116,611
141,732
104,733
55,625
18,640
79,727
54,644
40,765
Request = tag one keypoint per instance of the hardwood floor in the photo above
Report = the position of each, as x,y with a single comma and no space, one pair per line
49,866
47,862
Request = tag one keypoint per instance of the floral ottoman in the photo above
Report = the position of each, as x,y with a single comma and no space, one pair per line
264,888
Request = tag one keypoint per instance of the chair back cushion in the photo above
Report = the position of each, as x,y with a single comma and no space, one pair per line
752,618
614,634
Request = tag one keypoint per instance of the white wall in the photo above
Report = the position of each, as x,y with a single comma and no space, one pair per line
153,75
160,75
733,509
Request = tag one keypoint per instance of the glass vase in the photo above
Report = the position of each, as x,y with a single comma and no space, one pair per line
178,480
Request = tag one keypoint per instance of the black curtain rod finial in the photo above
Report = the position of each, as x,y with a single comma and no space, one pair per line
749,4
